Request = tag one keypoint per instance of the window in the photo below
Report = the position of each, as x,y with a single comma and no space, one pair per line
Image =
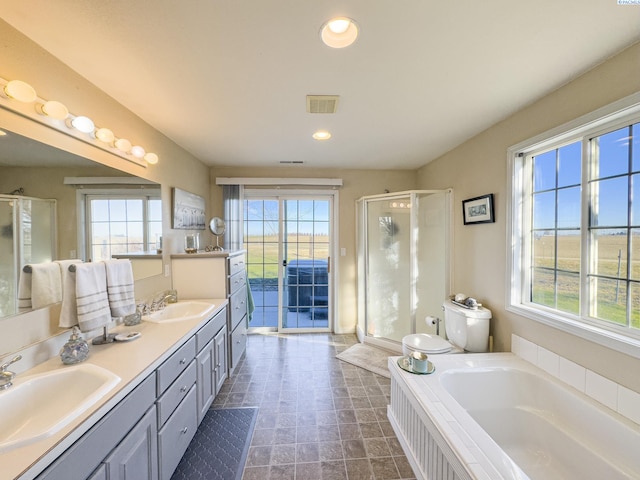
121,223
575,225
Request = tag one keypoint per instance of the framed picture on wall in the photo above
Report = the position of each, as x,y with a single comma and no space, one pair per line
188,211
478,210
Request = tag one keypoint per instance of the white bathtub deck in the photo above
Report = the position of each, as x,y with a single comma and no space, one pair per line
496,416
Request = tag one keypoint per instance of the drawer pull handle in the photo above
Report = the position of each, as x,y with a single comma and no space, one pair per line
184,430
183,361
183,389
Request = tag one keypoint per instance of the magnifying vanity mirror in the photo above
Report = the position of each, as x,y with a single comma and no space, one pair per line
217,227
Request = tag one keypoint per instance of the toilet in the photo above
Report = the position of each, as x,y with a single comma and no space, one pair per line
467,330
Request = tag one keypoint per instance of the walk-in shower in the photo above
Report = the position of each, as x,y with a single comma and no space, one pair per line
404,242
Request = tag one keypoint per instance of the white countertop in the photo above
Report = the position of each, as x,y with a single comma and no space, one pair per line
131,361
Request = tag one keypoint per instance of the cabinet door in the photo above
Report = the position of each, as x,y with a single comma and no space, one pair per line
220,364
136,457
100,473
205,362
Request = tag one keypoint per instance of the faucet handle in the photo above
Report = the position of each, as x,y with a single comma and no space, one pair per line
15,359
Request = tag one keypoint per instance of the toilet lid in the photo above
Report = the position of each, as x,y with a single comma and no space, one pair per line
424,342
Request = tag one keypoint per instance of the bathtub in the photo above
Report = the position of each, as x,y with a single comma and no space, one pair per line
495,416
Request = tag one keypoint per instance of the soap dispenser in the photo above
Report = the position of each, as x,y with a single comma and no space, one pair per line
76,350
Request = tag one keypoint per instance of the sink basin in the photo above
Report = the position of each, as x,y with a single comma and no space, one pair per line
38,406
180,311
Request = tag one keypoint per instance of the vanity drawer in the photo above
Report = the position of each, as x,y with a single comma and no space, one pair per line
175,436
236,264
175,393
175,365
237,281
238,342
206,333
238,306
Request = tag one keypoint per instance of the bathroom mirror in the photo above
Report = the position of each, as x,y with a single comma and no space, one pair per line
34,169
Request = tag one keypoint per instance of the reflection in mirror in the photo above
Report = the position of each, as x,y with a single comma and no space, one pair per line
127,216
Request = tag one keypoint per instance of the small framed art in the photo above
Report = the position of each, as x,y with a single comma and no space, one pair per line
478,210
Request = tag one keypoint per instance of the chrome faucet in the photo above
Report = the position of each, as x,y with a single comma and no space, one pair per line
6,377
161,300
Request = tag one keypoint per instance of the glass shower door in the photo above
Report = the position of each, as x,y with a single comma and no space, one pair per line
388,280
8,260
404,262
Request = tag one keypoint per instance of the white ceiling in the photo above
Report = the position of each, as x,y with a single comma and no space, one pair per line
227,79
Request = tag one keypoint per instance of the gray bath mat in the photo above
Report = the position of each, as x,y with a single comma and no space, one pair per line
219,448
367,357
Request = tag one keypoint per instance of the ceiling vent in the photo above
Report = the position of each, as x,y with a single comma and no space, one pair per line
296,162
322,103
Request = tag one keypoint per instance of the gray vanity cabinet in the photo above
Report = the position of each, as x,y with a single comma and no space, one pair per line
177,406
211,361
135,458
100,473
220,360
128,423
217,275
146,434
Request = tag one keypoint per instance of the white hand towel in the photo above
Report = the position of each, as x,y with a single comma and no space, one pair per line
46,284
91,296
122,300
69,309
24,290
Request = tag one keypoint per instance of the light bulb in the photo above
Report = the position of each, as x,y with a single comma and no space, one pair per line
339,25
83,124
21,91
105,135
53,109
339,32
137,151
123,145
321,135
151,158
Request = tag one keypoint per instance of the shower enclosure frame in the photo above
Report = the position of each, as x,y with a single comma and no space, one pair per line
28,242
417,227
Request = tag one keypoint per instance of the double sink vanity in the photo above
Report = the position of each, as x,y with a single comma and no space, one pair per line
131,410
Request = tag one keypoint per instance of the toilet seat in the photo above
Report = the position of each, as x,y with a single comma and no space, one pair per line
423,342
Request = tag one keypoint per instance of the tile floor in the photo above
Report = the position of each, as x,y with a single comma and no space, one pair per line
318,418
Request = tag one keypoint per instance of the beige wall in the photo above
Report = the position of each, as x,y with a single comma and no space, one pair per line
356,184
24,60
479,166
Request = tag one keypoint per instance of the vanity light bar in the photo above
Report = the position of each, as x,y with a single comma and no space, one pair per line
19,97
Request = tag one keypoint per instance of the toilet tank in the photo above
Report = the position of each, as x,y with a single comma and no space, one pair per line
467,328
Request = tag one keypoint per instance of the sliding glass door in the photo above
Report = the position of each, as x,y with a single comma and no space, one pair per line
288,238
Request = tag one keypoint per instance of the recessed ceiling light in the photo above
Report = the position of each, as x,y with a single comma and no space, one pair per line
339,32
321,135
3,133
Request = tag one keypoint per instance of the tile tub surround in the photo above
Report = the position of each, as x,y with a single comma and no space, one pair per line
131,361
484,416
620,399
319,418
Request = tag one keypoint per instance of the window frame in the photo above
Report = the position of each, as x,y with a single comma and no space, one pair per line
84,196
605,119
